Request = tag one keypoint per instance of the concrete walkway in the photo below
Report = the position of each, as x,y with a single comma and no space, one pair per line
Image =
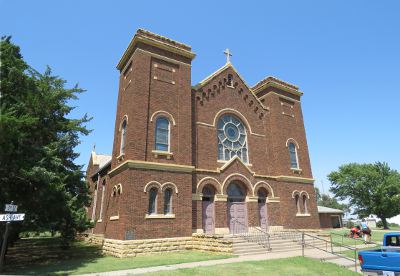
311,253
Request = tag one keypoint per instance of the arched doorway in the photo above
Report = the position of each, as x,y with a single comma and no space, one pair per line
262,194
237,211
208,209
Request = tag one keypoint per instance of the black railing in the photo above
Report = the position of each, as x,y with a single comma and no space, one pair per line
251,234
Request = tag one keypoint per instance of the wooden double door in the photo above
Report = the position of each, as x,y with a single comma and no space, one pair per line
237,217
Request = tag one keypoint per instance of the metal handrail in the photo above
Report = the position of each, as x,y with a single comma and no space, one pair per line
299,236
251,234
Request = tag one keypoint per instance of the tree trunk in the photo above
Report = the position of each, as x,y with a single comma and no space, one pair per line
385,224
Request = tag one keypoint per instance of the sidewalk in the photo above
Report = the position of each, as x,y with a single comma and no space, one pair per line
311,253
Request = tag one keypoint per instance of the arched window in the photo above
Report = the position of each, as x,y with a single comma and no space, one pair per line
236,192
297,200
153,201
232,138
168,201
262,195
123,137
162,134
294,164
305,204
230,80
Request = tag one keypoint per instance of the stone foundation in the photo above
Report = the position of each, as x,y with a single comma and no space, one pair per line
131,248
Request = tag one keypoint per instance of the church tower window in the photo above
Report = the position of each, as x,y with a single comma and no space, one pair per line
123,137
230,81
232,138
294,164
162,134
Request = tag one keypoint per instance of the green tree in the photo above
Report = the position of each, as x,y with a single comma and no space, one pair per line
370,189
331,202
37,141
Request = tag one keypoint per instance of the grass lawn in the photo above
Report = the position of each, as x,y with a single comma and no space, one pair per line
43,256
290,266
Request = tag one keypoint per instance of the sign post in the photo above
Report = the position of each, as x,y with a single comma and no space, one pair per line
8,218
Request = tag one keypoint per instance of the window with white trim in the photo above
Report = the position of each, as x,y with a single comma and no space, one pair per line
153,201
232,138
162,134
168,201
294,164
123,137
103,189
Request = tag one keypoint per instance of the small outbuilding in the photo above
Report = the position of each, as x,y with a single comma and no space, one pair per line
330,218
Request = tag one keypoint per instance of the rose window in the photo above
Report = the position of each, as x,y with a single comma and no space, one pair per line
232,139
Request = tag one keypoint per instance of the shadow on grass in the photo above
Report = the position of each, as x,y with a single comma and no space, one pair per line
44,256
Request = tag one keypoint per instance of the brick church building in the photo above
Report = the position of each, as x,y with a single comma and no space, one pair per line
217,157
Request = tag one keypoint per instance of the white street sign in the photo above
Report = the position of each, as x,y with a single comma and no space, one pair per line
12,217
11,208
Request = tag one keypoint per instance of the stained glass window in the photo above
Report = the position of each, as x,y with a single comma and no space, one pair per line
232,138
162,134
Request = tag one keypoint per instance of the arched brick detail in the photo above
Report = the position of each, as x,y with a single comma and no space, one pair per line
209,181
238,177
152,184
265,185
304,193
294,193
169,185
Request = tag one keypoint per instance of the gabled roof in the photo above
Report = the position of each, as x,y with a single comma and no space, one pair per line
266,82
220,70
327,210
101,160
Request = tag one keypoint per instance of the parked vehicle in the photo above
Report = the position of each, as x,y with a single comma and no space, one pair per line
383,261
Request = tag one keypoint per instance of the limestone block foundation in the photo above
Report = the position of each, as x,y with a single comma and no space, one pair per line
131,248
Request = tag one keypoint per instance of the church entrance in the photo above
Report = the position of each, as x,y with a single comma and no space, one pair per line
208,210
237,211
262,208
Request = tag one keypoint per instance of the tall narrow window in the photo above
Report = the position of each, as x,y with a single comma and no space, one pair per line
103,189
230,80
123,137
94,201
293,156
232,138
297,200
153,201
162,134
168,201
305,204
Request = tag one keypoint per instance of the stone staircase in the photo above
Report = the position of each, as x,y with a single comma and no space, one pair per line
241,246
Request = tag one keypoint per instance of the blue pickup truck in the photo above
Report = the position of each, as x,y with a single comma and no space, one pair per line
384,261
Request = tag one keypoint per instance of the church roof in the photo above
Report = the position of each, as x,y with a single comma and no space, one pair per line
101,160
327,210
268,81
159,41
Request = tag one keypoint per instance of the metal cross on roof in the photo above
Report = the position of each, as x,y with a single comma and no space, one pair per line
228,55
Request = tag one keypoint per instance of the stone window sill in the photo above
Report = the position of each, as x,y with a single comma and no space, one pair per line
296,170
230,86
157,153
114,218
121,157
303,215
100,220
160,216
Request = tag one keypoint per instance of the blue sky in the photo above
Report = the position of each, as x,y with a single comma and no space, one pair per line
344,55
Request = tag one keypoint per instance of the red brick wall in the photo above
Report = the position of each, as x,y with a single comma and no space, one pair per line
157,83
